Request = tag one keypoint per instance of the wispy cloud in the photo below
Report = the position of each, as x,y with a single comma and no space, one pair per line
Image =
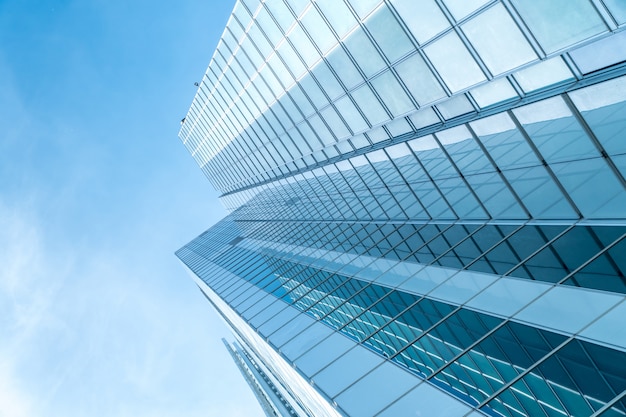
14,402
23,304
87,331
96,315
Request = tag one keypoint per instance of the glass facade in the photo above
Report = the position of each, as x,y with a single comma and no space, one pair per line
274,401
427,202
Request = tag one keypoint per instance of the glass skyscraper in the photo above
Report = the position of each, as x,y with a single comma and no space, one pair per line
268,392
427,203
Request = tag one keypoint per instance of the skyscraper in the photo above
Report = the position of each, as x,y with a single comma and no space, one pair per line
427,203
263,385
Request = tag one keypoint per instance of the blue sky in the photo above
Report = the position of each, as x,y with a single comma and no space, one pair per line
97,316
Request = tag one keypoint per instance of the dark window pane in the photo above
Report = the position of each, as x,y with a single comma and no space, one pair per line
604,273
578,379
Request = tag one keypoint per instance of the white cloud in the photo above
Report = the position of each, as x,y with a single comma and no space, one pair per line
21,305
14,402
87,331
96,316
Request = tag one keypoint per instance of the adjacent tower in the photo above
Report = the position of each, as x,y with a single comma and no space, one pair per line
427,204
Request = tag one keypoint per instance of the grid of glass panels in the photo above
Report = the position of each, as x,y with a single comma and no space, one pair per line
558,158
292,85
479,138
583,256
501,366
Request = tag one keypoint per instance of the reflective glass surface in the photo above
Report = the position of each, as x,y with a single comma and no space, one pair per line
431,192
558,23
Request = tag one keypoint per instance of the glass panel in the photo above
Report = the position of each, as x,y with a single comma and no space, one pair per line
462,286
396,301
370,105
376,387
420,81
507,296
318,30
593,187
567,253
322,131
362,50
577,380
275,88
351,114
344,68
305,340
560,309
281,74
543,74
281,13
424,117
603,106
328,81
461,8
510,252
506,145
268,26
339,16
455,106
464,151
498,359
539,193
407,326
323,353
425,190
432,157
279,315
287,332
458,259
460,198
291,109
258,306
345,370
364,7
253,54
479,242
498,40
398,127
604,273
560,23
336,125
604,328
298,6
428,401
252,5
454,62
601,54
555,131
255,35
493,92
301,101
392,93
389,35
496,196
423,18
304,46
617,9
377,134
312,89
618,409
446,340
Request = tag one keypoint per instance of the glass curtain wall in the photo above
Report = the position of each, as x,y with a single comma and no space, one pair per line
433,189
